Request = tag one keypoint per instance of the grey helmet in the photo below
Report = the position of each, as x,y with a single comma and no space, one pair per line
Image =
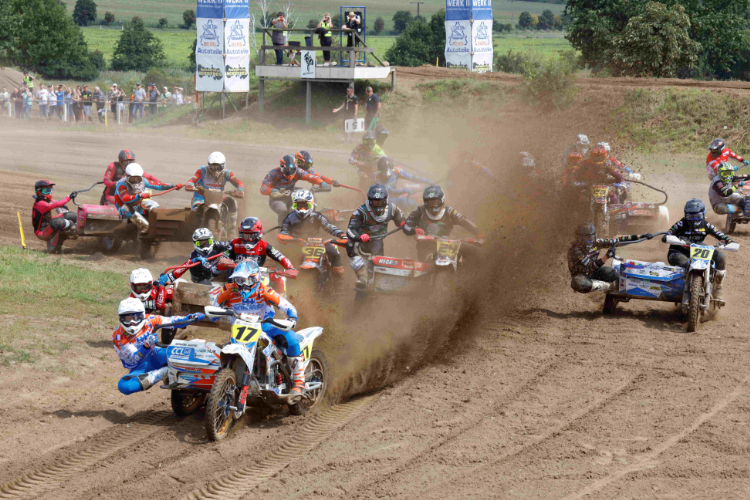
385,166
695,212
377,202
586,234
434,202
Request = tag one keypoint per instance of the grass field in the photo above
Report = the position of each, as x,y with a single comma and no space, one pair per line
544,44
151,11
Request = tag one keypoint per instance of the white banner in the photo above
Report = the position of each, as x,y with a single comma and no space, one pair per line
209,55
307,64
237,42
458,44
481,61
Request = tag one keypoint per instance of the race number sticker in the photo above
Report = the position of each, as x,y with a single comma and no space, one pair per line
245,334
700,253
313,252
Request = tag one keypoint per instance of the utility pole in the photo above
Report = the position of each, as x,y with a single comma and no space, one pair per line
418,4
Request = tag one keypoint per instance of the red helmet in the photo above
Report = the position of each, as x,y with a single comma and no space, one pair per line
43,189
574,159
125,155
251,231
599,154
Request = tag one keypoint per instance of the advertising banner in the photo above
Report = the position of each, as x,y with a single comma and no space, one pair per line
237,64
307,64
481,37
468,34
209,55
222,53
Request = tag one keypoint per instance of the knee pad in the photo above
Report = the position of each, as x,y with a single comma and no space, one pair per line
130,384
357,262
581,284
292,341
71,216
149,204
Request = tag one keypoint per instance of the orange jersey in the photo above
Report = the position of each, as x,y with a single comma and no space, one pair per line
261,302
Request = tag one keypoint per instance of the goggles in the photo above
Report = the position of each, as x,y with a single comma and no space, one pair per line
215,167
715,152
302,205
246,282
131,319
694,217
47,190
204,243
433,204
378,203
142,287
135,179
254,236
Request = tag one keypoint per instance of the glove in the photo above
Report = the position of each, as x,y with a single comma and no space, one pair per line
648,236
163,279
197,316
324,185
335,184
149,342
202,260
741,183
179,186
746,162
145,196
364,238
419,231
610,253
664,238
403,223
73,195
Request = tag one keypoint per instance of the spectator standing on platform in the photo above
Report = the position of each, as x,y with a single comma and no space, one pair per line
101,105
353,25
5,101
28,80
28,99
278,38
350,105
372,109
326,37
166,97
17,97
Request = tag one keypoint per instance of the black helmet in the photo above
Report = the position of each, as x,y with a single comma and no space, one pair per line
381,134
385,166
716,147
377,201
434,201
586,233
304,160
695,212
251,231
125,155
288,166
369,138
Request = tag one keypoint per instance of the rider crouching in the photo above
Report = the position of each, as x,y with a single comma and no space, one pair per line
132,201
587,269
214,175
724,195
45,224
694,228
205,249
279,184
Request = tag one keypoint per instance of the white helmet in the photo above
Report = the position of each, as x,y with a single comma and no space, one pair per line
203,240
141,283
132,315
216,163
605,145
583,140
134,175
303,202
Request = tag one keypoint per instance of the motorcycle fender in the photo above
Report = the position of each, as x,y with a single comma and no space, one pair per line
308,336
231,350
699,265
214,206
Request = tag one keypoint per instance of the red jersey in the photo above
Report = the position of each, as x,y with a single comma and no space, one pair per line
160,297
713,162
40,212
258,253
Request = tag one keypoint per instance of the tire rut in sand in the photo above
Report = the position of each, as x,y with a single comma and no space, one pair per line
124,435
239,482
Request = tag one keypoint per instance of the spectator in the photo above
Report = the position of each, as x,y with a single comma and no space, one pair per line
153,99
350,105
42,96
5,101
131,109
86,100
352,24
100,100
51,101
77,104
17,98
177,95
166,96
372,109
139,96
278,38
28,80
113,96
326,37
60,108
28,98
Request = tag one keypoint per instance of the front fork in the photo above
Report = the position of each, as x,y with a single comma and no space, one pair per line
707,290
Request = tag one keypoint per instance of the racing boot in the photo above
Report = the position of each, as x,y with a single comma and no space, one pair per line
148,379
603,286
140,222
297,367
361,277
718,284
337,273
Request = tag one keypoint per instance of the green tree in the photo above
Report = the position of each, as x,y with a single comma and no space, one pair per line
38,35
109,17
312,23
421,43
163,22
379,25
546,20
534,21
191,56
524,21
84,12
655,43
188,18
335,21
97,59
401,20
137,49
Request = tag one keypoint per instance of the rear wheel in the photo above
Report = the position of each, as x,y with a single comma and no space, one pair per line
218,412
186,402
316,371
212,224
695,313
610,304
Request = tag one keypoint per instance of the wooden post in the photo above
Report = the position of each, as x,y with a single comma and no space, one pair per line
352,59
261,93
393,79
308,103
263,51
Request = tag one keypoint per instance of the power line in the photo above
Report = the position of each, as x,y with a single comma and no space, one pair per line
418,4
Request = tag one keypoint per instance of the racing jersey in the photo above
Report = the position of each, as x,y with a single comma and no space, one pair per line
391,181
720,190
362,221
713,162
440,227
203,179
115,172
308,227
130,348
367,156
584,259
239,252
40,212
158,300
275,179
684,230
325,179
261,302
200,272
125,194
590,173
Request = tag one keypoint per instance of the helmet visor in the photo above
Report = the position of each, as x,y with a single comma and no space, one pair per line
697,217
204,243
379,204
215,168
131,319
302,205
135,179
142,287
250,236
46,190
124,163
246,281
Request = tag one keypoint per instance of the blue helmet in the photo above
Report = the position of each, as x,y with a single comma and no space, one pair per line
247,278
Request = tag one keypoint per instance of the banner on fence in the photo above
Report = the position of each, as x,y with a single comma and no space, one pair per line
307,64
468,35
222,53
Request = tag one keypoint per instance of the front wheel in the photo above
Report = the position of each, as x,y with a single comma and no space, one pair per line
185,403
316,371
218,412
695,312
212,223
600,222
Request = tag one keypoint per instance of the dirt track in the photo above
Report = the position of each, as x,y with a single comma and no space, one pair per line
549,400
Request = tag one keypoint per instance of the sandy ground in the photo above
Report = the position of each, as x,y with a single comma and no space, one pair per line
545,399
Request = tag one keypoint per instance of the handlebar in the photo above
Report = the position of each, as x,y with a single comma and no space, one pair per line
79,191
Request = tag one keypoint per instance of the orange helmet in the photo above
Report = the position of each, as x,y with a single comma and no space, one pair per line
599,154
574,159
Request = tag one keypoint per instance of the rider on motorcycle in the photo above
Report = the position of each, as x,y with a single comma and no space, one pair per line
116,171
585,265
214,175
371,219
246,294
305,162
724,195
572,164
718,154
279,184
597,169
45,224
156,298
130,198
205,248
135,344
381,134
366,155
694,228
389,174
304,222
623,190
581,146
437,219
